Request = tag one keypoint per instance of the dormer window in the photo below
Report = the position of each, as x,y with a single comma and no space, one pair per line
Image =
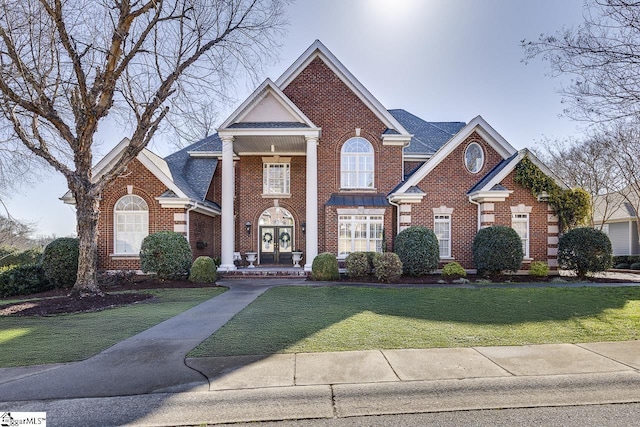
356,164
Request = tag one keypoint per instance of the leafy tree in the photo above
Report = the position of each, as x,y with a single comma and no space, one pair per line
65,66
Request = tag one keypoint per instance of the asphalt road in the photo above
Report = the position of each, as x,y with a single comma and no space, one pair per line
615,415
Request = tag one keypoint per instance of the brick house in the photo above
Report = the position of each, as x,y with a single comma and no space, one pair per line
313,162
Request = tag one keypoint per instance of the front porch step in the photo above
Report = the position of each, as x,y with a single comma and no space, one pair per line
279,273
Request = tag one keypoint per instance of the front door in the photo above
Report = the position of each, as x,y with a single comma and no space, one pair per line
276,244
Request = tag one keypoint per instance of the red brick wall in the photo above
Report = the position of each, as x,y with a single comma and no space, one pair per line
331,105
145,185
448,184
250,204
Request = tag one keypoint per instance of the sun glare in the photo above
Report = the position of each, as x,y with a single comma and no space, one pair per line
398,9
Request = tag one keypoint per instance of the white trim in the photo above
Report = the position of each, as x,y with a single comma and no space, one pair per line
259,94
318,50
479,125
357,211
235,132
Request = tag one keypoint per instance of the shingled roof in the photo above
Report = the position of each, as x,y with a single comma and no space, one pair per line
428,137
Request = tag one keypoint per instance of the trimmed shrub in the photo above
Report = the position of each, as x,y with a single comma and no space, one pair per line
418,250
539,269
12,257
60,262
387,267
452,271
635,266
357,264
23,280
584,250
325,267
203,270
623,266
497,249
167,254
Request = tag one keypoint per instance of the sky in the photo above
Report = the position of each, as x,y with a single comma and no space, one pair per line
442,60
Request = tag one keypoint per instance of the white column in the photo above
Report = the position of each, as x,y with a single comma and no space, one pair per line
228,226
312,203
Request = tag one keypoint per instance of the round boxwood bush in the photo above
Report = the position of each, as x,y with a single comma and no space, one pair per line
452,271
418,250
584,250
167,254
60,262
357,264
635,266
387,267
497,249
325,267
203,270
539,269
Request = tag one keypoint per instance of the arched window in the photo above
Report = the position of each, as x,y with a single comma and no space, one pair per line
356,164
131,224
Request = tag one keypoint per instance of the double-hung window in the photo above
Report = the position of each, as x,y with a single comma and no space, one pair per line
359,233
276,178
520,223
442,230
356,164
131,224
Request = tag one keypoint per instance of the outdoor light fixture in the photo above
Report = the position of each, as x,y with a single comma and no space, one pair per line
247,225
304,227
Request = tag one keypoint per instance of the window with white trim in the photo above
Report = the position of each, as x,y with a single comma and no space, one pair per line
520,223
356,164
359,233
276,178
442,230
131,224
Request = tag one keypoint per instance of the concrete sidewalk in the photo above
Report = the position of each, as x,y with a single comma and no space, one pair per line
377,366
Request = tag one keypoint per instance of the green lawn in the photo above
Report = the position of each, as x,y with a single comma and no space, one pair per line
305,319
36,340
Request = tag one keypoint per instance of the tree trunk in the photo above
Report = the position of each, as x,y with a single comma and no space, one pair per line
87,210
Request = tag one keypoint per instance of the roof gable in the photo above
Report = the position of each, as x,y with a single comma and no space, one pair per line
318,50
267,104
494,177
479,125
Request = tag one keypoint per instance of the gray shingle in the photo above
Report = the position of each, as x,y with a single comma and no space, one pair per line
428,137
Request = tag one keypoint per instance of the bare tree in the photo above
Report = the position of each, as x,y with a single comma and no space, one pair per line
622,142
65,65
586,164
603,59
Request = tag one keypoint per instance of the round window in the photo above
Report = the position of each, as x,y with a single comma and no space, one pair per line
474,157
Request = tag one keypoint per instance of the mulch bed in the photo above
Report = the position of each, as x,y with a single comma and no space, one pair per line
58,301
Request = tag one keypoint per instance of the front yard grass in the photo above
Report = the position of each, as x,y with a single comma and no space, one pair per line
71,337
306,319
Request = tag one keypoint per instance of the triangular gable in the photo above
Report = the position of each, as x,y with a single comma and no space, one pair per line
155,164
267,104
318,50
479,125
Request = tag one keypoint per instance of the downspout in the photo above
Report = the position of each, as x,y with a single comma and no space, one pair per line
194,206
397,214
478,205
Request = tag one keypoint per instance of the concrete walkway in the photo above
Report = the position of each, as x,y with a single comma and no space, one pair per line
146,380
152,361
